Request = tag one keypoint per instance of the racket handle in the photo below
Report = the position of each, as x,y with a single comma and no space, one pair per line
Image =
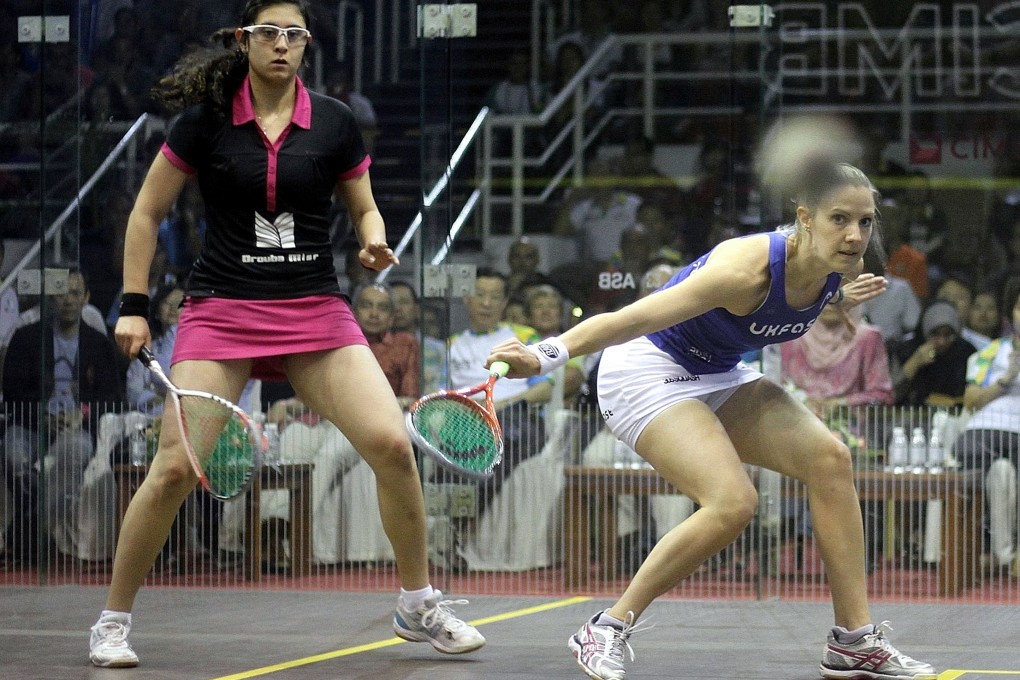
499,368
145,355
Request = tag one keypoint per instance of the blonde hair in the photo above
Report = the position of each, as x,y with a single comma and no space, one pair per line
821,177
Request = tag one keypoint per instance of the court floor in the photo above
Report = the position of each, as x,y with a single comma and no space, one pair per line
215,634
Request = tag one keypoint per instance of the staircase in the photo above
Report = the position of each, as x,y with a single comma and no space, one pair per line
425,124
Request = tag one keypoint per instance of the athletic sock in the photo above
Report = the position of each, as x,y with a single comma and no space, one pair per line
605,619
848,636
111,616
412,599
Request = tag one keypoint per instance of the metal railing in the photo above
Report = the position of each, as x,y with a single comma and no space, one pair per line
125,148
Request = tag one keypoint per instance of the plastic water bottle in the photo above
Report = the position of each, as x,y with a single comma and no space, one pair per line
272,431
936,451
918,456
138,447
896,454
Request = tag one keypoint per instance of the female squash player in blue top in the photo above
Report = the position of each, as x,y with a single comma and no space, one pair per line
263,298
671,386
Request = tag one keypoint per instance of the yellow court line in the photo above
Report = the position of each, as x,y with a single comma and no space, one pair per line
954,674
371,646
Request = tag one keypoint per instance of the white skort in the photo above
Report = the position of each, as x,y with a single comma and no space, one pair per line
637,381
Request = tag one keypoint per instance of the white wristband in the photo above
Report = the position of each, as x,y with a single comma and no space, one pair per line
551,353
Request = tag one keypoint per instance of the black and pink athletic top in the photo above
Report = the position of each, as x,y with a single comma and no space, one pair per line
267,204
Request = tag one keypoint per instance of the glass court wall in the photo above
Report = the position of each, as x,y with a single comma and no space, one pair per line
658,112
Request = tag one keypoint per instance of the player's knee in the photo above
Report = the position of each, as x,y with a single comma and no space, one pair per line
833,461
392,454
736,509
172,479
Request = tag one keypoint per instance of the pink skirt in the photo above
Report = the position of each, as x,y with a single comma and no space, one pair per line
264,330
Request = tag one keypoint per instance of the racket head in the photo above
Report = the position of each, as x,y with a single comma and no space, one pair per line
457,432
225,446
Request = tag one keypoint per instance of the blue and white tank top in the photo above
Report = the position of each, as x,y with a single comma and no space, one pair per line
714,341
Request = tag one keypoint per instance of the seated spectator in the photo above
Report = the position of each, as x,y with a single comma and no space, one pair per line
409,316
516,312
840,362
522,259
568,58
594,25
927,224
617,284
668,239
516,94
935,368
85,380
339,85
146,393
895,313
905,261
546,312
14,83
598,216
957,291
516,399
990,441
984,320
397,352
182,231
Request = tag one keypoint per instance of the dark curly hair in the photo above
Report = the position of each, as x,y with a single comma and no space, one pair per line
211,75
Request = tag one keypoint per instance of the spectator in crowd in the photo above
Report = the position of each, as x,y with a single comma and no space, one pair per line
1010,283
957,291
598,216
927,225
339,85
935,367
144,392
568,59
594,25
84,379
515,311
355,273
397,352
709,203
546,312
123,70
522,259
984,319
668,239
517,401
895,313
183,230
990,440
619,281
64,80
409,316
905,261
516,93
840,362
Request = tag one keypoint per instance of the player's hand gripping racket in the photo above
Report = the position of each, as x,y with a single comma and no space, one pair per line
460,433
223,443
